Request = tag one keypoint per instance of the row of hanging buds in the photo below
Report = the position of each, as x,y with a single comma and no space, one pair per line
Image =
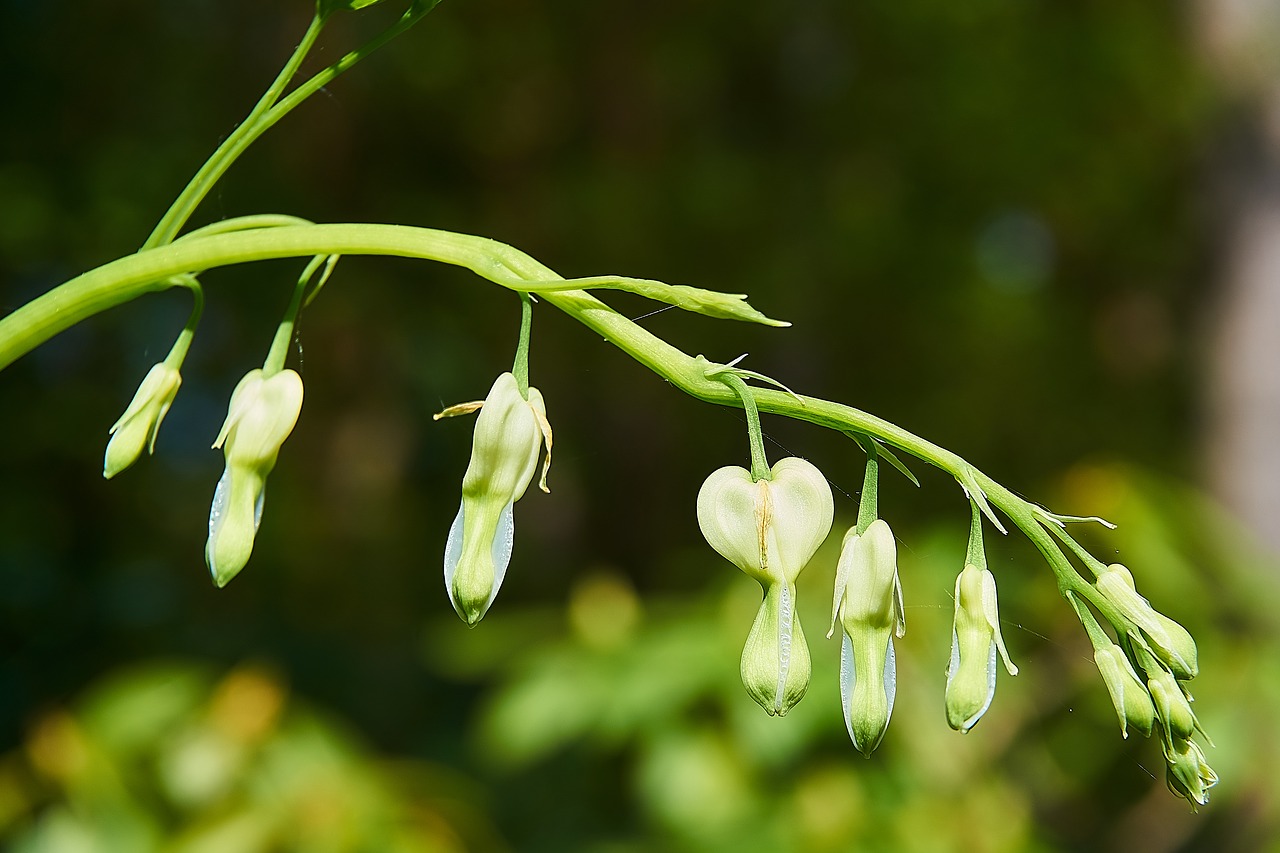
769,522
263,410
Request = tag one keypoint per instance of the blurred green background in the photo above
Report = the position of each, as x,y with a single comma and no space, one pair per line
989,223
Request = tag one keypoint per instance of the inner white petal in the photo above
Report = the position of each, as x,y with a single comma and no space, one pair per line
453,554
847,679
784,647
504,538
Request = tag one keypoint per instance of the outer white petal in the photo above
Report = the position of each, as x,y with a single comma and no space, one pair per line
802,512
453,554
991,611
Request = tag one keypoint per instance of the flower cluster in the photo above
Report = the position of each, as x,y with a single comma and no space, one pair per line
768,521
1146,669
771,527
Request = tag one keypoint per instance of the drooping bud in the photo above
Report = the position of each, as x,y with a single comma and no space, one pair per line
770,530
1170,642
869,607
138,426
975,640
1132,701
1172,704
1188,774
262,413
509,434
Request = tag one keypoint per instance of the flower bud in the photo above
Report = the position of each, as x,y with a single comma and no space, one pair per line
1171,704
1128,694
775,660
1170,642
262,413
510,431
770,530
1188,774
138,426
869,606
975,639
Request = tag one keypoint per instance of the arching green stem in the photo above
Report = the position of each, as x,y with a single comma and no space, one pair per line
154,269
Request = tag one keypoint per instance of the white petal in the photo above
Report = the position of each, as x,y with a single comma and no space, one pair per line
992,613
504,538
847,678
217,510
890,681
953,665
453,554
842,576
784,647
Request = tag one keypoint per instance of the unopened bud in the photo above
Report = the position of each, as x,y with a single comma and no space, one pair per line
975,641
1170,642
1188,774
869,606
137,428
509,434
262,413
1128,694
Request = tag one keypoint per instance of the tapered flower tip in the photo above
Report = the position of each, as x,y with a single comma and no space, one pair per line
1188,774
769,529
473,584
868,684
137,428
234,518
775,660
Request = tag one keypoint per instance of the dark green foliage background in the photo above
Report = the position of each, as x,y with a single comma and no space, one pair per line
985,219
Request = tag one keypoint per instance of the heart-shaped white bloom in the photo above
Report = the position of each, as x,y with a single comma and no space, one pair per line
770,529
